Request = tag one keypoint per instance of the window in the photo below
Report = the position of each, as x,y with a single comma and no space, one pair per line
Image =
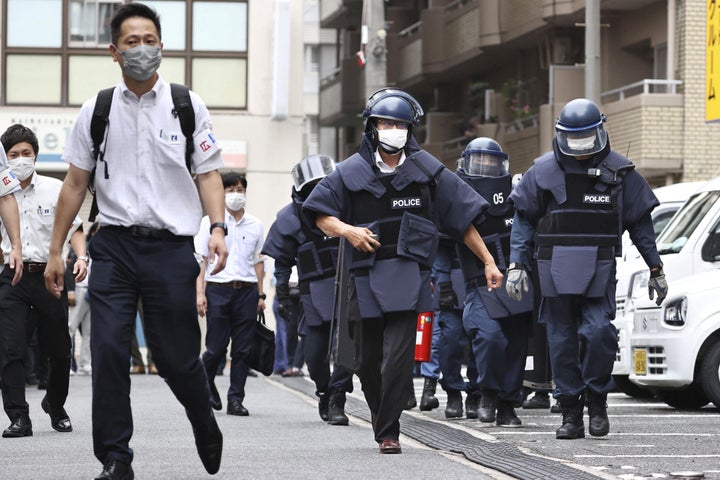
172,20
90,22
34,23
219,26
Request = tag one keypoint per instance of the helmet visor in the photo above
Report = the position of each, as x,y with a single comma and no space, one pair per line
310,169
485,164
581,142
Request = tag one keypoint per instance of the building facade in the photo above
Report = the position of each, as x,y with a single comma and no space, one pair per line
505,68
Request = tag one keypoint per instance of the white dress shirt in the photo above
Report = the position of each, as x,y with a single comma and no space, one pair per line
384,167
244,242
148,182
36,205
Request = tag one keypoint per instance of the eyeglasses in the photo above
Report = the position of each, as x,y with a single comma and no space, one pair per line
384,123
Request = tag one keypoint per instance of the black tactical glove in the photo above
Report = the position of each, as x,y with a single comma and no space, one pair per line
657,284
517,281
446,296
282,292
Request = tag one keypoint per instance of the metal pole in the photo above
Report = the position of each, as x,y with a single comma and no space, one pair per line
375,69
671,40
592,50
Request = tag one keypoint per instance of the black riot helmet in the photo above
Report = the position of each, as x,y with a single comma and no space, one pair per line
309,171
484,157
579,129
394,105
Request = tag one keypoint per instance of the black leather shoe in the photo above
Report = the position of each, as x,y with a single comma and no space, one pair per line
215,401
209,443
20,427
114,470
235,407
59,419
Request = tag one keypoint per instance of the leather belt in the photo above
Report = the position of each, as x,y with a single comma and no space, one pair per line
32,267
236,284
147,233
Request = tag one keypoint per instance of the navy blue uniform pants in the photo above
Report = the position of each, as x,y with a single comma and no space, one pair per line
451,353
582,342
231,314
162,273
387,362
51,316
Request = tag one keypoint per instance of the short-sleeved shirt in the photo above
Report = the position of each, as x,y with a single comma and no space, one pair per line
244,241
8,182
36,204
144,152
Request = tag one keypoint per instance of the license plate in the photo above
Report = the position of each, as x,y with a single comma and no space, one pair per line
640,361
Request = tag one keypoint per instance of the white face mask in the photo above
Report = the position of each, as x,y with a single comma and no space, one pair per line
581,144
393,139
22,167
234,201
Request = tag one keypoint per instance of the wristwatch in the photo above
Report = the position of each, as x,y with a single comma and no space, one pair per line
222,225
84,258
262,296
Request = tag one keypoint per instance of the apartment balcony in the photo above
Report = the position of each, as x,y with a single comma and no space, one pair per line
340,13
342,95
646,123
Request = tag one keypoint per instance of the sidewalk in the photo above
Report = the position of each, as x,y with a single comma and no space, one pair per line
283,438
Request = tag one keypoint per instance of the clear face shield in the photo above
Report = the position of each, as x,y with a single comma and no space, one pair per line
582,142
311,169
485,165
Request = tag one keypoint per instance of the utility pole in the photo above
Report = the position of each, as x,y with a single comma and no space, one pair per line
592,50
373,35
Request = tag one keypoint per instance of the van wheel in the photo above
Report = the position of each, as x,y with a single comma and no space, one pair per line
710,374
623,383
690,398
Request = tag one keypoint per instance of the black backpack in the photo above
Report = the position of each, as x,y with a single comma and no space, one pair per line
98,125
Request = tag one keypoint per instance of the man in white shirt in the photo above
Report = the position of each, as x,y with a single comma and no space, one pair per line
149,212
36,201
232,298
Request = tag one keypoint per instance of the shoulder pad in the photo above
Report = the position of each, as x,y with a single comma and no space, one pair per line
420,167
549,176
357,174
287,221
8,182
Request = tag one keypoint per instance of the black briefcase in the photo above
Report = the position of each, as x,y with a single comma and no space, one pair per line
262,355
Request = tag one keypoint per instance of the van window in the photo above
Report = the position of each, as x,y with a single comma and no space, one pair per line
711,248
682,226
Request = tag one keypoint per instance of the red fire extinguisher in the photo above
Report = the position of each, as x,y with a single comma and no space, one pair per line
423,336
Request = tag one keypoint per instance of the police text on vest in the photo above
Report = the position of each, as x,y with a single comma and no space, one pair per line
409,202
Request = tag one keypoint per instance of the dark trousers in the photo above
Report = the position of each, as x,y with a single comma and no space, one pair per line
582,342
231,313
451,352
387,361
162,273
316,343
17,304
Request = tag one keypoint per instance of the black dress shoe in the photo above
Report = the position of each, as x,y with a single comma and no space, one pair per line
235,407
215,401
209,443
59,419
114,470
20,427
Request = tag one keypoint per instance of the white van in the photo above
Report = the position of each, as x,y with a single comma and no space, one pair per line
671,198
676,347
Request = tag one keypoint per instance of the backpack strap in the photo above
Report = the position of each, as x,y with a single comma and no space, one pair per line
186,114
98,133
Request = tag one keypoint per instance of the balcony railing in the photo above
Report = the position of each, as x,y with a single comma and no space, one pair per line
642,87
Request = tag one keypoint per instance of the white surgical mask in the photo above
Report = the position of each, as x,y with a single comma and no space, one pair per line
235,201
581,144
393,139
22,167
141,62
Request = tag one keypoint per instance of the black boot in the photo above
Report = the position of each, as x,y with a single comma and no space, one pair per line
323,405
454,407
336,408
506,416
488,406
572,426
597,411
472,402
411,400
428,401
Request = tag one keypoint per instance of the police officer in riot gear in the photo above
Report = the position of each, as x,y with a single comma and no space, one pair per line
576,201
497,325
293,240
390,201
